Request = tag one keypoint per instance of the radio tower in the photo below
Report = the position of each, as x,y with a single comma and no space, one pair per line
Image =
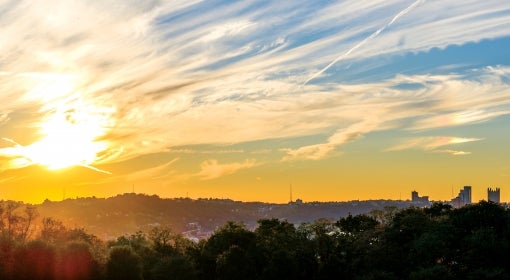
291,193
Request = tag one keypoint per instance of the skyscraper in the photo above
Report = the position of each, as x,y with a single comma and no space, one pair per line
414,196
493,195
463,198
467,194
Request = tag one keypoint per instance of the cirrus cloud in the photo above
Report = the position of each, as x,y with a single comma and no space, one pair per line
433,143
212,169
161,74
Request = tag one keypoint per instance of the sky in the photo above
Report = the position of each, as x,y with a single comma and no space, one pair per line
336,100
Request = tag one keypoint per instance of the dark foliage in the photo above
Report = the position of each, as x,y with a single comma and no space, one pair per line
438,242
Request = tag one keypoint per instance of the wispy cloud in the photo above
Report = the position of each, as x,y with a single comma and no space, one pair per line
198,151
365,40
211,169
339,138
158,172
10,179
453,152
433,143
228,29
458,118
158,75
4,117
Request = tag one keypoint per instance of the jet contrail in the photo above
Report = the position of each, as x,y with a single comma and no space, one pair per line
12,142
373,35
95,169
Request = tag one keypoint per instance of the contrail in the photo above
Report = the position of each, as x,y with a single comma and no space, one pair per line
12,142
95,169
358,45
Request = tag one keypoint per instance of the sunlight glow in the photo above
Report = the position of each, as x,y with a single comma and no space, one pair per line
69,139
50,87
69,130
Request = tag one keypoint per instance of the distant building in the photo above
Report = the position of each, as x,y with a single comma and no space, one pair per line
297,202
415,198
493,195
463,198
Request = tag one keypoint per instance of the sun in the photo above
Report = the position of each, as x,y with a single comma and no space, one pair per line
62,151
72,127
69,139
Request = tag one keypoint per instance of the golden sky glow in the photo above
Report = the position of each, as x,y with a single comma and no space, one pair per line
342,99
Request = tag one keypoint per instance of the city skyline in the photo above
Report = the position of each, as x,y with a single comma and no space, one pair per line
344,100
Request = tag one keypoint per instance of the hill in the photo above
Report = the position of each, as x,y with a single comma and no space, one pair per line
128,213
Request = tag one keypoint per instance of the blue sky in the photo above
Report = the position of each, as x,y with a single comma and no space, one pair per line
198,96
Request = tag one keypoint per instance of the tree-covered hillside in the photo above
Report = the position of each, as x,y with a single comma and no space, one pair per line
129,213
437,242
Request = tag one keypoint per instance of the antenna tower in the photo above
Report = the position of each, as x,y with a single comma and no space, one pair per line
291,193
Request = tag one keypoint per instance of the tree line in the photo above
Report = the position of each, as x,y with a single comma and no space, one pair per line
437,242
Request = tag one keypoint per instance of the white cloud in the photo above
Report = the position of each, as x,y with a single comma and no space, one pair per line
339,138
4,117
453,152
196,151
433,143
162,171
457,118
228,29
212,169
366,39
146,71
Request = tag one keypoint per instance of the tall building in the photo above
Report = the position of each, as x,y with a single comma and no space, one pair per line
419,199
463,198
493,195
466,192
414,196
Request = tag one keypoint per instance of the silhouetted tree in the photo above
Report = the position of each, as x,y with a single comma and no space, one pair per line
330,255
218,250
124,264
53,231
384,216
438,209
176,267
77,262
7,260
438,242
356,224
35,260
483,240
16,220
277,242
235,263
171,258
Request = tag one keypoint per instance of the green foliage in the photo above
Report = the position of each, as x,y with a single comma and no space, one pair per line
235,263
124,264
175,267
412,243
216,258
438,209
358,223
438,272
277,242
